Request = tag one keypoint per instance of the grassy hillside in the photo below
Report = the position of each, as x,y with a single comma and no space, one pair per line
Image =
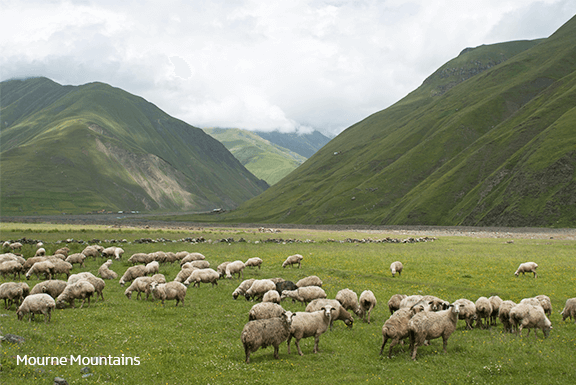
488,139
96,147
264,159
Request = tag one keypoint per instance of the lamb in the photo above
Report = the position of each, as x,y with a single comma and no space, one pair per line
396,267
253,262
527,267
259,288
140,258
140,285
483,310
293,260
395,328
504,314
241,289
236,267
271,296
306,325
10,267
79,290
76,258
152,268
266,332
11,292
105,272
349,300
339,314
265,310
309,281
528,316
495,301
53,287
569,310
304,294
367,303
36,304
285,285
430,325
204,276
132,273
467,311
44,267
394,302
169,291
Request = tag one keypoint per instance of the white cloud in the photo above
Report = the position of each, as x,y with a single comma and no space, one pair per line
287,65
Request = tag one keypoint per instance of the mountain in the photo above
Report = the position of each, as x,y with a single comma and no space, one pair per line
303,144
88,148
487,140
266,160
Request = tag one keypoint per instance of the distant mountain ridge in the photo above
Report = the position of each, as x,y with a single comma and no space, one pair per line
303,144
94,147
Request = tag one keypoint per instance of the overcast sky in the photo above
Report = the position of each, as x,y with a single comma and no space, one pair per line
261,64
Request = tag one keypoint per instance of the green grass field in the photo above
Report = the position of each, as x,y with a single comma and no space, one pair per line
200,342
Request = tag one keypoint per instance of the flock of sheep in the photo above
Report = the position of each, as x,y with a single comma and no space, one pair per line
416,317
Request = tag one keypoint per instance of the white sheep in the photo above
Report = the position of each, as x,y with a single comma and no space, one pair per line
11,292
183,274
36,304
236,267
203,276
265,310
168,291
44,267
79,290
304,294
98,283
139,285
311,280
93,251
396,329
467,311
221,269
569,310
396,267
367,303
545,303
192,257
527,267
105,272
410,300
394,302
254,262
504,314
132,273
306,325
63,251
152,268
258,288
76,258
113,251
53,287
349,299
271,296
60,266
483,310
529,317
495,301
293,260
160,278
266,332
426,326
340,314
40,252
10,267
241,289
140,258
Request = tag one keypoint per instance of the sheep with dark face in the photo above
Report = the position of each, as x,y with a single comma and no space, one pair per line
266,332
307,325
285,285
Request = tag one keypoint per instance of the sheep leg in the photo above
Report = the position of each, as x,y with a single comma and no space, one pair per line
288,343
276,351
316,342
445,343
384,339
297,342
247,351
393,343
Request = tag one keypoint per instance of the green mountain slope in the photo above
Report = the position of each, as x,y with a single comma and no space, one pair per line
95,147
488,139
303,144
264,159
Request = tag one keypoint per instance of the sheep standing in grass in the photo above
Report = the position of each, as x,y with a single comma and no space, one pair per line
483,310
203,276
76,258
467,311
285,285
367,303
152,268
271,296
349,299
132,273
79,290
306,325
545,303
266,332
184,274
304,294
53,287
394,302
192,257
36,304
94,251
295,259
221,269
11,292
105,272
241,289
169,291
495,301
61,267
569,310
10,267
44,267
113,251
311,280
258,288
527,267
410,300
395,328
426,326
396,267
139,285
504,314
137,258
254,262
236,267
339,312
265,310
526,316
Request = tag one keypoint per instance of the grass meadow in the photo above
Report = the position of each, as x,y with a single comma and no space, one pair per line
200,342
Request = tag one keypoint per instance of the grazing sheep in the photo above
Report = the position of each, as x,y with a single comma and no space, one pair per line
258,288
396,267
160,278
504,314
236,267
61,267
63,250
152,268
545,303
192,257
140,258
140,285
395,328
306,325
266,332
79,290
221,269
44,267
11,292
528,316
168,291
40,252
349,299
53,287
183,274
527,267
304,294
410,300
495,301
265,310
293,260
426,326
203,276
105,272
76,258
467,311
435,303
569,310
367,303
12,257
394,302
241,289
254,262
132,273
309,281
340,314
285,285
15,246
36,304
113,251
271,296
31,261
483,310
10,267
94,251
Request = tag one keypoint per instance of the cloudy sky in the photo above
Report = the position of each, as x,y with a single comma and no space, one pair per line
290,65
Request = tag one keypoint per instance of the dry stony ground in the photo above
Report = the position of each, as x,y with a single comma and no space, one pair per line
140,221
